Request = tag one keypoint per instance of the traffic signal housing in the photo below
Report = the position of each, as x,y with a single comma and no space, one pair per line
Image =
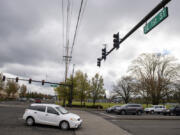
98,62
42,82
104,53
17,79
4,78
116,40
30,80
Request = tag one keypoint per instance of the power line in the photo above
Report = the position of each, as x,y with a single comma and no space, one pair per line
77,24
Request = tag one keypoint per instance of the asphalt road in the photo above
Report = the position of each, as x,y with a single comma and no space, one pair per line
11,123
144,127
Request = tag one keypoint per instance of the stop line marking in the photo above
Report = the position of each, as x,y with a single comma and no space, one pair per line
109,115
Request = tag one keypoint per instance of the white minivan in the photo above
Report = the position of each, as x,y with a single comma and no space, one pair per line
51,114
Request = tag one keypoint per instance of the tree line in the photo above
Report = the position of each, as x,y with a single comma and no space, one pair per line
83,88
152,78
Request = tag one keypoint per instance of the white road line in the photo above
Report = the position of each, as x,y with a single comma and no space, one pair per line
109,115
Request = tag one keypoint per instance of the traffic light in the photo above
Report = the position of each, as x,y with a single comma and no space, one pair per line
42,82
98,62
17,79
104,53
116,40
30,80
4,78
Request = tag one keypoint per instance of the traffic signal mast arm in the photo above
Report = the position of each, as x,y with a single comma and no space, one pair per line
144,20
35,81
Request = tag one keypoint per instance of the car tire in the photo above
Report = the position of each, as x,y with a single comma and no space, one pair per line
123,112
139,112
152,112
64,125
30,121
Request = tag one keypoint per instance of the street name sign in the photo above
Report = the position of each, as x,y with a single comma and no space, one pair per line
163,14
54,85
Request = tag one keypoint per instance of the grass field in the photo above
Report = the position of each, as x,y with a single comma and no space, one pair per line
106,105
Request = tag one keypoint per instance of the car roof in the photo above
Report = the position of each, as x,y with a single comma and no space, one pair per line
52,105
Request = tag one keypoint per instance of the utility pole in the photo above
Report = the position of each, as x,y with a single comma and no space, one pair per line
72,86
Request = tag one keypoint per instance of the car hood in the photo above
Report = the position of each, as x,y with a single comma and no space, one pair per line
72,115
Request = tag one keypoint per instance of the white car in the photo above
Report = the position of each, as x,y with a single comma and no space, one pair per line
51,114
155,109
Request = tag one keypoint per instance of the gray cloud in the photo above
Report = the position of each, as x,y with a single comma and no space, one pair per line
31,35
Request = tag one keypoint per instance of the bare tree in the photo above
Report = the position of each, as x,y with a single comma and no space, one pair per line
156,73
124,89
23,91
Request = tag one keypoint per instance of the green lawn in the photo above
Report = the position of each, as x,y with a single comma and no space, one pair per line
106,105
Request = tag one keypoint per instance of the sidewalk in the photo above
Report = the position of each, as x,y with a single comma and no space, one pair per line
94,125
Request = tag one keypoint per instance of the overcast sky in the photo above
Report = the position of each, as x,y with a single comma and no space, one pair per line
31,38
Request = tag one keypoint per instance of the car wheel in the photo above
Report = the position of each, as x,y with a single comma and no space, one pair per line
139,113
64,125
123,112
151,111
30,121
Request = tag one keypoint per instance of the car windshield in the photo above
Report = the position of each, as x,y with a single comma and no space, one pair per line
62,110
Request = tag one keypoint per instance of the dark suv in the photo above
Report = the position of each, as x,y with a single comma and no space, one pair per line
130,109
172,111
112,109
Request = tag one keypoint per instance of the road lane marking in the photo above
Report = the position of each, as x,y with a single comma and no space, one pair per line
109,115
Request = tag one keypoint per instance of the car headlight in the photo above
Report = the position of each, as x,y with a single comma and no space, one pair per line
168,110
73,119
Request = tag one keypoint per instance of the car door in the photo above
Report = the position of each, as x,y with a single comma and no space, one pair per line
39,114
129,109
52,117
178,110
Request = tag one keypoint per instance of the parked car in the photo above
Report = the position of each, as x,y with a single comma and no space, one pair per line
51,114
130,109
172,111
31,100
112,109
23,99
37,100
155,109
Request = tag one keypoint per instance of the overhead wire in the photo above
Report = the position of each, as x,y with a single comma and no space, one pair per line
62,9
77,24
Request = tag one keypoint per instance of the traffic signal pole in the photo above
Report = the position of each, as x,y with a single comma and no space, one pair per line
144,20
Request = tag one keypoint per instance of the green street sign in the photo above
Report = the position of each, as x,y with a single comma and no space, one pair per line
163,14
54,85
